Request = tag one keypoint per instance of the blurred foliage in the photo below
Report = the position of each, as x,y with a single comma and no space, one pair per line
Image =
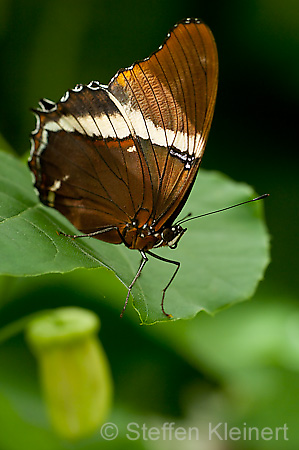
239,367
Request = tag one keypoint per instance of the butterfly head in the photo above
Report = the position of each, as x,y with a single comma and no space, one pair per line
172,235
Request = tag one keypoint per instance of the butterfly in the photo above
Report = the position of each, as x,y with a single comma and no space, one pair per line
119,161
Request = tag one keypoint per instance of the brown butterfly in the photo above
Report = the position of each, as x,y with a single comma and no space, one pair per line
119,161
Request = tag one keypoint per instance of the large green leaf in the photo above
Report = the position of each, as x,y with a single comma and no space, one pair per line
223,257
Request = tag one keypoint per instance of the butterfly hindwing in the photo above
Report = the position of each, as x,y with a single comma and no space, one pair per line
87,164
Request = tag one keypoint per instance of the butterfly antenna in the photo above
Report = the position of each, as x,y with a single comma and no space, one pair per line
223,209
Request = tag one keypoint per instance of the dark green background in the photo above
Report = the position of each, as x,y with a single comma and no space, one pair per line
46,48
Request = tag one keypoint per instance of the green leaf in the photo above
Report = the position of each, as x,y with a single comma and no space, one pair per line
222,257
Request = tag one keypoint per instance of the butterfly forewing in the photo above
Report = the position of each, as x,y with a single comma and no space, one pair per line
169,100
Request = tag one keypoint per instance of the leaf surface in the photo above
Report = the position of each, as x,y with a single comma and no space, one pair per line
222,257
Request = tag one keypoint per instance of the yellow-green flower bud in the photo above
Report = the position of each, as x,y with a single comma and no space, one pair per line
74,371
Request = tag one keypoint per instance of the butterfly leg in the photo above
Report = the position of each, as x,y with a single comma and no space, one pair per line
177,263
142,264
94,233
